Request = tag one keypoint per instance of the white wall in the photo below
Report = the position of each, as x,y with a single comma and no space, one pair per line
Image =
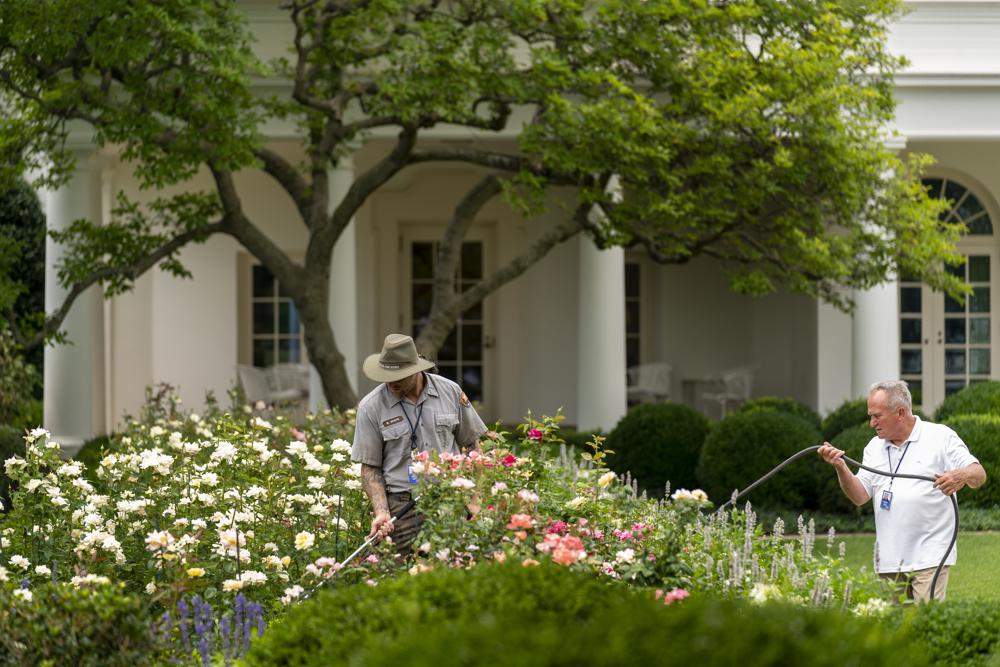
184,332
703,328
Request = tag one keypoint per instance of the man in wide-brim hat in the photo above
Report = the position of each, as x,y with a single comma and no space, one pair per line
411,411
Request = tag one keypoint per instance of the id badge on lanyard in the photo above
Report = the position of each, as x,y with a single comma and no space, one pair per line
886,502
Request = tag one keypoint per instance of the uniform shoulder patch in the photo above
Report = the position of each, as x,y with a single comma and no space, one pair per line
464,399
394,420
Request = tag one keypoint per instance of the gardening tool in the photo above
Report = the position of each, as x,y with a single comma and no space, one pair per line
808,450
364,545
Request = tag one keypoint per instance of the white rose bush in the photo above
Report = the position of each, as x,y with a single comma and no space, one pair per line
228,510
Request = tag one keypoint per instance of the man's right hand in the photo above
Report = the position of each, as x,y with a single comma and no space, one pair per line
831,454
382,525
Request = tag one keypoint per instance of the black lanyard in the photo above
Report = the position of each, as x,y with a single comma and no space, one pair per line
413,426
901,457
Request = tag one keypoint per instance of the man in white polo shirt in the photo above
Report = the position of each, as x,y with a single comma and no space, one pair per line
914,520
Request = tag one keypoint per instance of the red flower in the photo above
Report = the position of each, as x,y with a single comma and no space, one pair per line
534,434
509,460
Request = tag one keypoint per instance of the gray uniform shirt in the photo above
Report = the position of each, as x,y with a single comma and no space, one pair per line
447,422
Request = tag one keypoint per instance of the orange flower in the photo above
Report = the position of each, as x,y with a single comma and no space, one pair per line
519,521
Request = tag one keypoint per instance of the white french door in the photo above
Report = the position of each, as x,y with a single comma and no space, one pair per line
467,353
945,345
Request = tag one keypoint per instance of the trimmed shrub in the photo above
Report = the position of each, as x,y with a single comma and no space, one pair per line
746,445
657,443
847,414
956,632
340,623
831,498
11,444
703,631
982,434
978,398
62,625
512,615
789,405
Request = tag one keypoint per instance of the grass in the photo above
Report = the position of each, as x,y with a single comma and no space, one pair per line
975,575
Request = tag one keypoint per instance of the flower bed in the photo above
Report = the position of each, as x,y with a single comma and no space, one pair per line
222,521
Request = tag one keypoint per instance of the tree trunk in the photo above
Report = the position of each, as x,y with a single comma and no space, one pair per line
321,344
433,334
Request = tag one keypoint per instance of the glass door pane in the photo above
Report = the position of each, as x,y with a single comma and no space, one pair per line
461,357
966,333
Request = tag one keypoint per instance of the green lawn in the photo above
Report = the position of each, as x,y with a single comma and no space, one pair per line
976,575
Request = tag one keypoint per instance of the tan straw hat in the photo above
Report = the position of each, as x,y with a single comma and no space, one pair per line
397,360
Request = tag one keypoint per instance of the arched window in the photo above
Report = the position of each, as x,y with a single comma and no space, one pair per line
964,206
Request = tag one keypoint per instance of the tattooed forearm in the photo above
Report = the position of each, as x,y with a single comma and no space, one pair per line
374,485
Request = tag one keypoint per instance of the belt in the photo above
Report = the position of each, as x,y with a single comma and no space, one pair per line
400,495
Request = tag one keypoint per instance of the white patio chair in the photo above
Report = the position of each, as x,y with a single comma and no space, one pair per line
253,382
288,382
737,383
649,382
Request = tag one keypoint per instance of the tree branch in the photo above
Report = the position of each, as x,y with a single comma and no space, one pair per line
324,237
450,248
131,272
524,261
237,225
289,178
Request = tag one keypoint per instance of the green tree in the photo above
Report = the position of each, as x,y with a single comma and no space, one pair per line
747,131
22,260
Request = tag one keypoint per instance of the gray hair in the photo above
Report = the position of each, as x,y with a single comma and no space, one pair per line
897,394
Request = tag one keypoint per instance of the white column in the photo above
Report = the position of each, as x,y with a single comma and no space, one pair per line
343,305
601,400
74,388
875,330
834,357
875,337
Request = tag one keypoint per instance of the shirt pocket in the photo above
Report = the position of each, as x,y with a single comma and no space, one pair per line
396,439
444,427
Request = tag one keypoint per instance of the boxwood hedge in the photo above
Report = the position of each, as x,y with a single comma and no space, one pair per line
657,443
746,445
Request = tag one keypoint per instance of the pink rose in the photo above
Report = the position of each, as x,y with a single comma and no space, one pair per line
519,521
675,595
509,461
535,434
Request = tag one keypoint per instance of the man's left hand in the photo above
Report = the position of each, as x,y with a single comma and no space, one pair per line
950,482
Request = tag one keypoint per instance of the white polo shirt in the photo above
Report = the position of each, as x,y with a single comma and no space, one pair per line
914,533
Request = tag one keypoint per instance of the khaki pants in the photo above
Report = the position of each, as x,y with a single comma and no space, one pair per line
407,526
916,585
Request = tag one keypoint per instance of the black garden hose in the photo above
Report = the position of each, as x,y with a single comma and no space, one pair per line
808,450
364,545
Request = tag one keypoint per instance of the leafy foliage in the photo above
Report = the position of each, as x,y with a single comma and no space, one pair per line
18,382
11,444
849,413
87,624
977,398
22,260
982,435
789,405
659,443
744,446
749,132
959,632
543,616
